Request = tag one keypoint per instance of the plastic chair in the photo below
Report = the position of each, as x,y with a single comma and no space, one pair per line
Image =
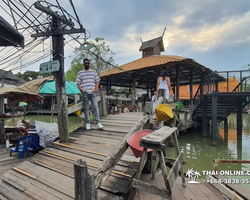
23,145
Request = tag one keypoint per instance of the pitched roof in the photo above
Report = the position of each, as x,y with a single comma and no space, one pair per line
9,36
141,63
151,44
10,78
145,72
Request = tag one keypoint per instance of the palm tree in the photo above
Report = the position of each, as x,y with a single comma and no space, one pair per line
196,175
190,173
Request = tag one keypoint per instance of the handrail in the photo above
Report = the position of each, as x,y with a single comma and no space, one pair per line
240,83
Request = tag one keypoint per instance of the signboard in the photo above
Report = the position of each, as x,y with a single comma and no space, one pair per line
48,67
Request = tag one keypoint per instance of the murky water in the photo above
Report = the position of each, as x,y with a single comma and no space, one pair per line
199,154
74,122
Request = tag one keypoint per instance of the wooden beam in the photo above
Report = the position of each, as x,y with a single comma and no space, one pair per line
109,163
151,188
239,118
174,171
84,182
118,98
159,136
223,189
2,132
191,93
177,83
58,54
214,120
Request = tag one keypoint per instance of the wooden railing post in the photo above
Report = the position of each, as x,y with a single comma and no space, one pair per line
84,182
2,132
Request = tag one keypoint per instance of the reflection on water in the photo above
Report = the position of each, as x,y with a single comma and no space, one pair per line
74,122
199,153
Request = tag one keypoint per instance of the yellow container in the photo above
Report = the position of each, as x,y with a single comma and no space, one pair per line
164,113
78,112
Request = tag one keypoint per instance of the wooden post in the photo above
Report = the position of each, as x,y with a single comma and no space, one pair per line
2,132
103,105
2,111
58,54
84,182
177,83
52,109
239,117
226,129
191,94
204,120
133,94
107,85
214,120
109,163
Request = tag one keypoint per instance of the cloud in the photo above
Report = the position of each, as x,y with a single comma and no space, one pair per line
194,28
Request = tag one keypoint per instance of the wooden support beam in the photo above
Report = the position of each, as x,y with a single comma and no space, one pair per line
174,171
103,104
226,129
191,93
178,83
84,182
58,54
107,85
239,118
214,120
109,163
151,188
223,189
2,132
204,116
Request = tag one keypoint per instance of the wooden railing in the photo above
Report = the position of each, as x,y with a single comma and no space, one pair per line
209,84
86,185
102,99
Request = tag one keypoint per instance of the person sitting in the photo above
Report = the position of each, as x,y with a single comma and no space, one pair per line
154,98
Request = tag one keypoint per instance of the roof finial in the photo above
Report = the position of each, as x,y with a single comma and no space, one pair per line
163,32
141,40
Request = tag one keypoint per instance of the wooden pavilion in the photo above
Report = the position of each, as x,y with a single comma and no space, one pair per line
143,73
206,104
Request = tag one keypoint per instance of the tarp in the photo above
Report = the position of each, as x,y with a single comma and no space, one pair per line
26,92
50,88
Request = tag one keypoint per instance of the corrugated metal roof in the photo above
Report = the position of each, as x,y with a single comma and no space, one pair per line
141,63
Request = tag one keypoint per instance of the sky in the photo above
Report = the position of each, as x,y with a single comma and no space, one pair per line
215,33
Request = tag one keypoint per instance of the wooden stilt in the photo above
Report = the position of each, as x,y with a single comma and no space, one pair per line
214,120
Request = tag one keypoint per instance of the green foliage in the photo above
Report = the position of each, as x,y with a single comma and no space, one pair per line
31,75
100,56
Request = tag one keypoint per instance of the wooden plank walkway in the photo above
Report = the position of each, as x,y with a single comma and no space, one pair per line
50,173
7,162
203,190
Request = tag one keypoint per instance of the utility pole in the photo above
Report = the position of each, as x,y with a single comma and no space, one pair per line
57,31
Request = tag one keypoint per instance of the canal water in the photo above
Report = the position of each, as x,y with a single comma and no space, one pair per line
197,150
199,154
74,121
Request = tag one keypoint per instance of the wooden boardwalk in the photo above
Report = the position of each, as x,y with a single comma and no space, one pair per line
50,173
201,191
7,162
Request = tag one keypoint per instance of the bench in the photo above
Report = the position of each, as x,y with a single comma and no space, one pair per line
156,141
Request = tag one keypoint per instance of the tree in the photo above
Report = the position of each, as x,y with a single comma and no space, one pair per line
100,56
31,75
